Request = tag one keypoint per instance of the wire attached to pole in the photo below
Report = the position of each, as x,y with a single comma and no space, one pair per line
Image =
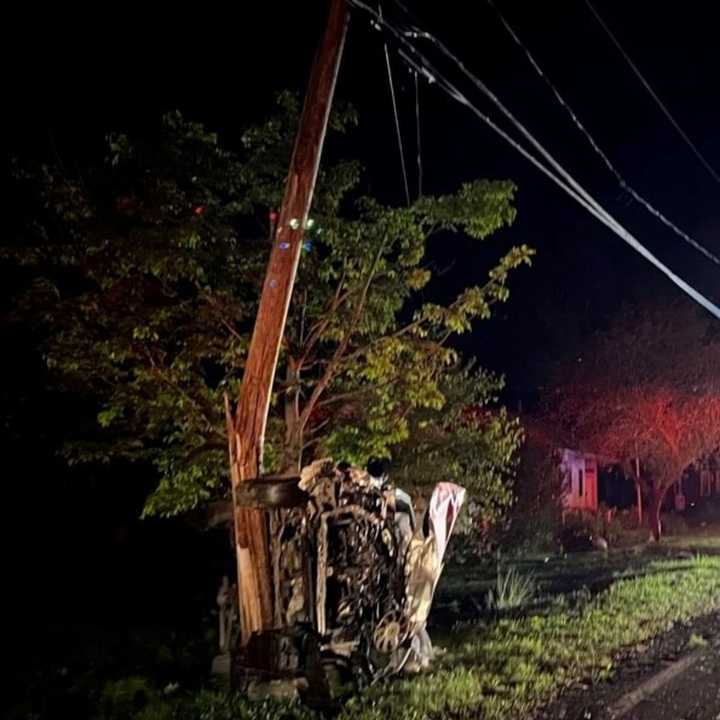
396,116
418,143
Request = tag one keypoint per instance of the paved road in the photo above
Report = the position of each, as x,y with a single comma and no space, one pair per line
694,694
675,677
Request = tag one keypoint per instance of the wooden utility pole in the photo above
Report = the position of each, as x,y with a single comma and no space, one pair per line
246,429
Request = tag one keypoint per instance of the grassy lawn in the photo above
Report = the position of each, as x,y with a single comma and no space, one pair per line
592,606
699,541
554,574
507,669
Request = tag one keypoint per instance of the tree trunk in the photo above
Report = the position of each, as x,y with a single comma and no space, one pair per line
655,510
639,502
654,517
292,449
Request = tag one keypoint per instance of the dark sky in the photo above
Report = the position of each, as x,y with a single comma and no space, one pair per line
78,74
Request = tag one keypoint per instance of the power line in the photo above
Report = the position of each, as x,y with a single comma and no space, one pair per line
653,94
563,179
418,136
397,119
611,167
418,143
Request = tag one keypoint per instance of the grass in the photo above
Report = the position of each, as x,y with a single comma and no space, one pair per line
709,543
505,669
512,590
552,574
509,669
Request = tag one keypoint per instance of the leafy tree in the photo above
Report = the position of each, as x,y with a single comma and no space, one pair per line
147,275
469,440
647,387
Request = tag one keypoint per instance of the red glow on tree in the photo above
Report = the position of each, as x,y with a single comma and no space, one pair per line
649,387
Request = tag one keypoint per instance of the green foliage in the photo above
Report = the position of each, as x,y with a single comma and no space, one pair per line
467,440
220,706
134,698
512,590
537,496
516,666
126,697
508,669
147,273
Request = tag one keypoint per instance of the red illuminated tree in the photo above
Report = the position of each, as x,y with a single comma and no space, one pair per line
647,387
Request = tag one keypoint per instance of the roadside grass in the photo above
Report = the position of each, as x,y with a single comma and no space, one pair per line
553,574
511,668
512,590
698,541
503,669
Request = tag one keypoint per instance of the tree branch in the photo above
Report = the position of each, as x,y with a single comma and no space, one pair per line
343,345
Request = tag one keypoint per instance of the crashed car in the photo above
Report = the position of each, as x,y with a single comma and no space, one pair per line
354,574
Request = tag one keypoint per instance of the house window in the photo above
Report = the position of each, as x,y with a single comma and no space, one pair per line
581,483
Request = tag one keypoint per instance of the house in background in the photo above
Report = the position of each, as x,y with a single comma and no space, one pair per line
709,477
585,480
699,482
579,481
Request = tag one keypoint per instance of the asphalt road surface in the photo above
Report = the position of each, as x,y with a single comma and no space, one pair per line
693,694
675,676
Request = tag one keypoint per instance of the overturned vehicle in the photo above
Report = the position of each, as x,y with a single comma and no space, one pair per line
354,573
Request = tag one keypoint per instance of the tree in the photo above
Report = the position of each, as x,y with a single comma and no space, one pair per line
469,440
647,387
148,271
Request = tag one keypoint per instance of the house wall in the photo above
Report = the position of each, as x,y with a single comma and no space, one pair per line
579,473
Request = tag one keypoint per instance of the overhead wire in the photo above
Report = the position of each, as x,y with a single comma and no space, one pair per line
397,119
558,174
418,137
603,156
653,94
572,188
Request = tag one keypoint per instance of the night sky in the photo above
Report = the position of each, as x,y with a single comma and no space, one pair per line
73,75
79,75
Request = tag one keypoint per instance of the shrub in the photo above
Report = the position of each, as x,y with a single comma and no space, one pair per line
575,534
512,590
673,524
126,697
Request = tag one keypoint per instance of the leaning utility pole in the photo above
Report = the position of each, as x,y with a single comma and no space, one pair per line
246,429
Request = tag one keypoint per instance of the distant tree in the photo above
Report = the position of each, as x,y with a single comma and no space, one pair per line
147,276
647,387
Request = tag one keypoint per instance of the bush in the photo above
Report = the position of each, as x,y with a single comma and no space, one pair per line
512,590
673,524
575,534
472,536
133,698
538,497
126,697
579,529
